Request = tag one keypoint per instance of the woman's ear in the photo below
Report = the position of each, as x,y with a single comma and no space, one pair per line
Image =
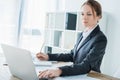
99,17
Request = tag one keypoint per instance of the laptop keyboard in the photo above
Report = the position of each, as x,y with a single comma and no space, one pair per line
43,79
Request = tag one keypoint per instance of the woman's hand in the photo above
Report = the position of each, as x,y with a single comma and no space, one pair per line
42,56
51,73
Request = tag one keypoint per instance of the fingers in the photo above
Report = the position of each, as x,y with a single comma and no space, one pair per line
42,74
46,74
51,73
42,56
39,56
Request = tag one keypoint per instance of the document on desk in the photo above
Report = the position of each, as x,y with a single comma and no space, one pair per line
42,63
78,77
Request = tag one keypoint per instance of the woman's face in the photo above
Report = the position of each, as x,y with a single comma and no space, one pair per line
89,19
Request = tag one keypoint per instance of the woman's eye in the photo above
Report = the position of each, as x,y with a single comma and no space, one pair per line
82,14
89,14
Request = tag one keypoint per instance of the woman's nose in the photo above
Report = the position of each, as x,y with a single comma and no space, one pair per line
84,17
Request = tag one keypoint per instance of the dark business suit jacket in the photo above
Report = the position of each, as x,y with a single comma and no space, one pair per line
87,57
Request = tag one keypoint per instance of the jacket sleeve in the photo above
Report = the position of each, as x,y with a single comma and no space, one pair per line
90,61
61,56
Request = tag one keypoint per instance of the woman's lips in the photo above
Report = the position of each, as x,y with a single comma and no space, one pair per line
85,22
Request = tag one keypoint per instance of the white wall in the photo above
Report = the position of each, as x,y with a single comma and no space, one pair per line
69,5
32,24
111,59
52,5
9,19
9,11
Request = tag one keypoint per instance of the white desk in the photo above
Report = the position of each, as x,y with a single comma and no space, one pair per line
6,75
4,72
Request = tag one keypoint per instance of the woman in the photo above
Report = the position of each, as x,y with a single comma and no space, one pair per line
88,52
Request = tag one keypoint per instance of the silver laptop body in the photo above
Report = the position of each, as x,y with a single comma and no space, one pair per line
20,62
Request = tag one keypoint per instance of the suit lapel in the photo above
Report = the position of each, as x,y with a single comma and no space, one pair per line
79,40
89,37
85,41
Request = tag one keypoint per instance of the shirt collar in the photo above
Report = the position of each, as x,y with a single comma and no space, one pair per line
86,33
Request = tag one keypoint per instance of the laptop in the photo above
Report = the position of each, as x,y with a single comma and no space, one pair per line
20,63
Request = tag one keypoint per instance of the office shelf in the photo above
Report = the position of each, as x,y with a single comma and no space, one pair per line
63,29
